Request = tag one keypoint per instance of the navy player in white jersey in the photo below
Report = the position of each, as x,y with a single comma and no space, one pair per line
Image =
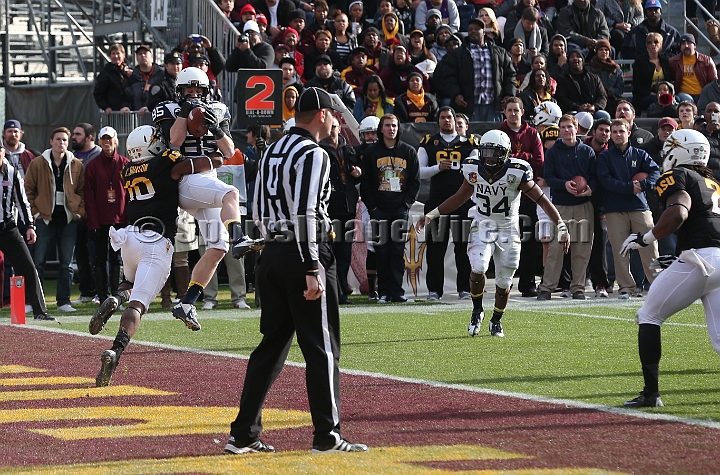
213,203
494,182
690,195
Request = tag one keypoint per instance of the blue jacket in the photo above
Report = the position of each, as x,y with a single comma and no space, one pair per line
615,170
563,163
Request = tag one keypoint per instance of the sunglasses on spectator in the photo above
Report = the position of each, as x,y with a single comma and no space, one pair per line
653,41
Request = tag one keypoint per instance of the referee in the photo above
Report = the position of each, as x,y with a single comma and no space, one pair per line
11,241
297,281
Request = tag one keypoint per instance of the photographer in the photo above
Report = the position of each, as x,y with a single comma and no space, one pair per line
199,44
250,51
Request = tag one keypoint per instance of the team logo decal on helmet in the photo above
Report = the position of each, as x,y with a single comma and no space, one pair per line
685,147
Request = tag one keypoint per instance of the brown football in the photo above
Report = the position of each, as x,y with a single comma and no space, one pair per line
581,183
640,176
195,121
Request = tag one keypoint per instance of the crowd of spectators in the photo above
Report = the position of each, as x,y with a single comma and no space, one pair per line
408,59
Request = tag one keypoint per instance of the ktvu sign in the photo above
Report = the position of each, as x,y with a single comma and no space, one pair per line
259,96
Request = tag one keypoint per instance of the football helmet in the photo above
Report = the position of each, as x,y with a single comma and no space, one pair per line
547,113
192,77
494,149
685,147
369,124
144,143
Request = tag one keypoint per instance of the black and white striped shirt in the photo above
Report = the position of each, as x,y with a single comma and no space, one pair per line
292,191
13,195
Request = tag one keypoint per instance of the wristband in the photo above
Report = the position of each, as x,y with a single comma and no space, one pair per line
433,214
649,237
562,228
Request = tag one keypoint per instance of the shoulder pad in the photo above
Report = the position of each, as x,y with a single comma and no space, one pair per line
519,164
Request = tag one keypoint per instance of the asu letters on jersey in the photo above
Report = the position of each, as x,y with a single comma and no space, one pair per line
702,227
497,196
153,194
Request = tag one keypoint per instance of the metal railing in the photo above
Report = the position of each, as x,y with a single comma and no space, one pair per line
714,49
124,124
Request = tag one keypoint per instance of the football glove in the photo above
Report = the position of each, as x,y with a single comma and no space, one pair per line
634,241
213,124
186,107
662,262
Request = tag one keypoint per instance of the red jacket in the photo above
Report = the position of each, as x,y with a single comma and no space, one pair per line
99,174
704,70
526,145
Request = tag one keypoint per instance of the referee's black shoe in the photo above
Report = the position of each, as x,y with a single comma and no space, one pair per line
642,400
343,446
234,447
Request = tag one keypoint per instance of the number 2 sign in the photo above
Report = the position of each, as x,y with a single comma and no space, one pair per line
259,96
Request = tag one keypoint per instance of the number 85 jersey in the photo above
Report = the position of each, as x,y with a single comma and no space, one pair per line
496,196
164,116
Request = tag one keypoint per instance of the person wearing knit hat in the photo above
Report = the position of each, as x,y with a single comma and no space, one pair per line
702,70
589,96
431,14
392,36
608,71
416,105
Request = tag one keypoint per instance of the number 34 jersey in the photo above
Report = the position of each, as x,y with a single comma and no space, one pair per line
496,196
702,227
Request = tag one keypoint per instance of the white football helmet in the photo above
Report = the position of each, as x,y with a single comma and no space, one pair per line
495,148
685,147
144,143
547,113
192,77
288,124
369,124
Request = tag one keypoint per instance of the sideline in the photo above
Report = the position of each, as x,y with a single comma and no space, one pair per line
437,384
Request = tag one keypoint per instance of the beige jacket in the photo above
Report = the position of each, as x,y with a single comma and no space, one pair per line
40,187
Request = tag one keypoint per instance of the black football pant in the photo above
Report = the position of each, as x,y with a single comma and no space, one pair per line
13,244
285,312
437,237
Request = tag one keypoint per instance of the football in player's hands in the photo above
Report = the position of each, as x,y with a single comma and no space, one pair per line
185,108
211,119
581,183
196,122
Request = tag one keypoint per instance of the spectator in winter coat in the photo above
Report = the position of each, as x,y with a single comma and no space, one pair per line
692,70
608,71
416,105
145,75
710,93
395,76
634,42
621,17
357,72
448,10
582,24
578,89
649,68
109,90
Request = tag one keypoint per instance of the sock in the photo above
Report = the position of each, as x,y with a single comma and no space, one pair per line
122,339
477,300
193,293
122,296
497,314
235,230
650,349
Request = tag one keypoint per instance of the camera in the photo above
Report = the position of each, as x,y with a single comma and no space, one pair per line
244,38
196,38
715,117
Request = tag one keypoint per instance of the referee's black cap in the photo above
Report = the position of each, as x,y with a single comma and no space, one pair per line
315,99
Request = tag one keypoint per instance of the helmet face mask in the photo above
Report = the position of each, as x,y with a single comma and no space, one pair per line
685,147
144,143
195,78
494,149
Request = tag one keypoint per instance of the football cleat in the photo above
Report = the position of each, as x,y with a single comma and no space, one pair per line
188,314
475,322
496,329
109,360
102,315
245,245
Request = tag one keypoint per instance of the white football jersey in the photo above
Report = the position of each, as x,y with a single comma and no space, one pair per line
496,196
193,146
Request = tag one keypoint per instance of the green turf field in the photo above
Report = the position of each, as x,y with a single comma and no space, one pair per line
583,351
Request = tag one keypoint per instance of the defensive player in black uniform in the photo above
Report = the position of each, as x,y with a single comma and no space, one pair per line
298,286
151,180
691,198
440,156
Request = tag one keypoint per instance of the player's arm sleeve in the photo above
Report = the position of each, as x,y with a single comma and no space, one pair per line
425,170
312,170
